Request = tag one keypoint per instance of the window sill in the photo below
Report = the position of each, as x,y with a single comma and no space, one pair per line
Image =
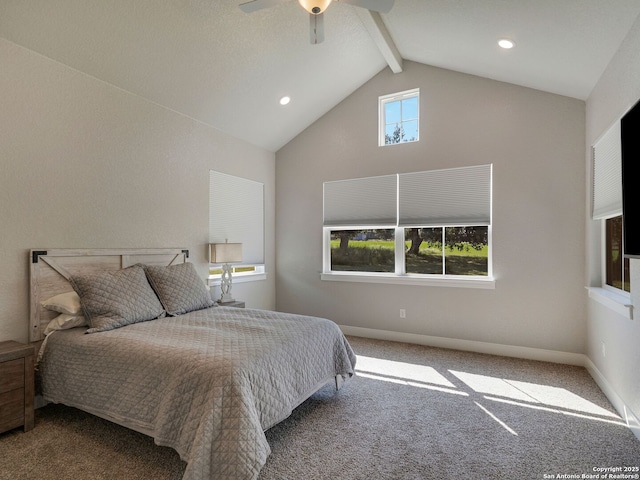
459,282
616,302
238,278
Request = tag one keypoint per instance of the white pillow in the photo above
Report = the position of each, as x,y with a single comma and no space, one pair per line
68,303
64,321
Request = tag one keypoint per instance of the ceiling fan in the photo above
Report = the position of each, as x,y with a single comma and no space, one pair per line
316,10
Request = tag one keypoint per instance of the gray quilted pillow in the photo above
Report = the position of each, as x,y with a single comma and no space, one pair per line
179,288
114,299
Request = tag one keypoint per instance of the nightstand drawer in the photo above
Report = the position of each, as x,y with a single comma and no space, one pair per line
11,375
11,409
16,386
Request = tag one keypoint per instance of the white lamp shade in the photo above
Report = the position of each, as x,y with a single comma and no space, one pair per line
225,252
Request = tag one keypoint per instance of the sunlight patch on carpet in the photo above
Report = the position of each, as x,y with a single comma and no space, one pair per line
402,370
532,393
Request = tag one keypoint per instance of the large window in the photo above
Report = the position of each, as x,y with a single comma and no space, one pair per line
236,214
418,226
399,117
425,251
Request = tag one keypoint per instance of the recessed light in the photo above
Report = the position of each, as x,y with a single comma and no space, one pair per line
506,43
284,100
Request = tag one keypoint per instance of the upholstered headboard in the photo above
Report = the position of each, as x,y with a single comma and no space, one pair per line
51,269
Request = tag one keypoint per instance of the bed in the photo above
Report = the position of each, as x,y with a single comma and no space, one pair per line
205,380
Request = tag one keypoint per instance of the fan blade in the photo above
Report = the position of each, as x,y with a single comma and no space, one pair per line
254,5
382,6
316,28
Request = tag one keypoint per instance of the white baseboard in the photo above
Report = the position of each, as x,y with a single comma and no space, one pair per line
469,345
528,353
623,410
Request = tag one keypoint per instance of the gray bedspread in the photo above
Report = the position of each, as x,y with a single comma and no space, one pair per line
207,383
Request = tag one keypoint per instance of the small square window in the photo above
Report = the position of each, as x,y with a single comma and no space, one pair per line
399,117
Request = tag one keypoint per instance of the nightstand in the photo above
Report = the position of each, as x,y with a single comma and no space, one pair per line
16,386
235,303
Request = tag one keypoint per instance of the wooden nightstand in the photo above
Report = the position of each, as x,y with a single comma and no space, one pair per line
16,386
235,303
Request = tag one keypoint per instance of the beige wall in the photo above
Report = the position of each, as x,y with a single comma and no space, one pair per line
617,91
535,141
86,165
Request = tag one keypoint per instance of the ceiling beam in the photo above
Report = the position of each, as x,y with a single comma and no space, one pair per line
378,31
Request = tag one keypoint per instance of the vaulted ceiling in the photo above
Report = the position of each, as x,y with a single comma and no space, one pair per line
210,61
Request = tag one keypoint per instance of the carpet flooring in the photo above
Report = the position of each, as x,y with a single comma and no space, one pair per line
411,412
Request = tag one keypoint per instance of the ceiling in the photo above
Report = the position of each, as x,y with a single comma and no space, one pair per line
214,63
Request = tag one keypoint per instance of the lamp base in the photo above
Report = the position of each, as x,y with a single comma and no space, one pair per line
225,285
226,299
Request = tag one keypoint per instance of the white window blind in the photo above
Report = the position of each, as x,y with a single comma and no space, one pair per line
362,202
607,175
452,196
236,214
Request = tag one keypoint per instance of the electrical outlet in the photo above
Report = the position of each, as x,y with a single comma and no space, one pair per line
403,313
604,350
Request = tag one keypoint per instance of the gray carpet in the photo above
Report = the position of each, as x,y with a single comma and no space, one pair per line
413,412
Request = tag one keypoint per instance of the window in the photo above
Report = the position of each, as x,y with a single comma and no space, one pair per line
447,250
236,214
616,266
413,227
426,251
399,117
607,207
363,250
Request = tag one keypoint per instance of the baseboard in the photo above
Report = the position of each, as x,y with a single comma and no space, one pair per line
621,407
469,345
